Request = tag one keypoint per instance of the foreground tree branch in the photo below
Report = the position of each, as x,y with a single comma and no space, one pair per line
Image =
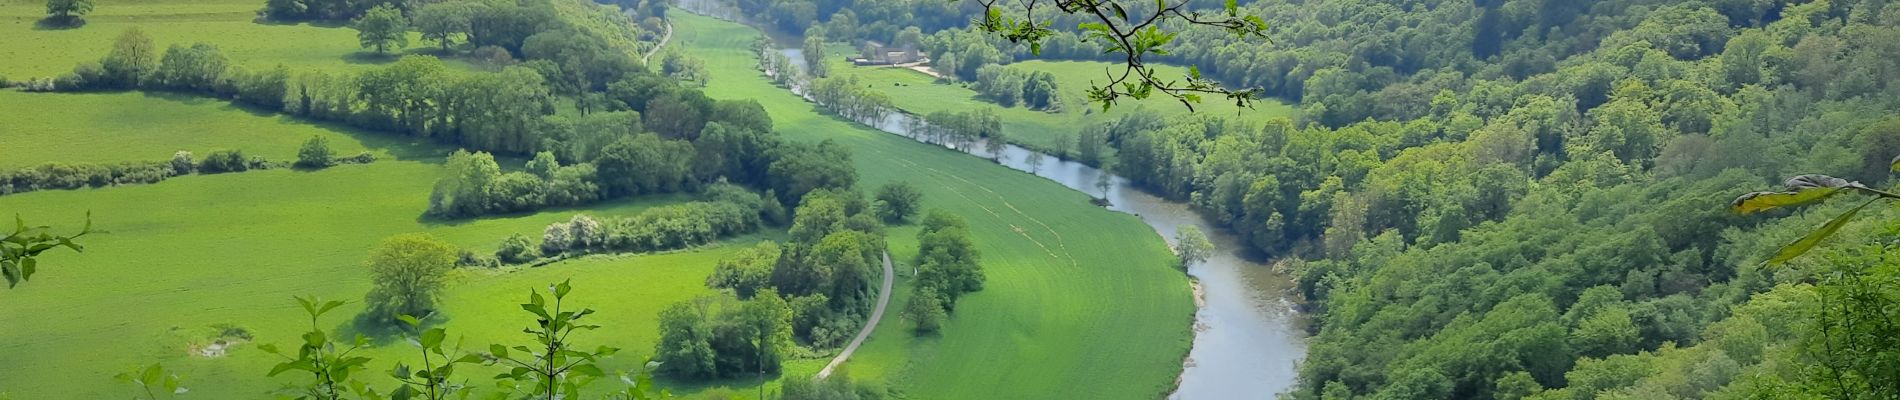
1135,37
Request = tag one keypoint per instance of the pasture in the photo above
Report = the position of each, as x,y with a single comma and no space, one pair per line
32,51
918,93
1080,302
135,126
170,262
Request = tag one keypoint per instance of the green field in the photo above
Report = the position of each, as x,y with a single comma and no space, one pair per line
1081,302
30,51
133,126
172,259
918,93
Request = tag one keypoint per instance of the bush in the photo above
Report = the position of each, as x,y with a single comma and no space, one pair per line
926,310
359,158
51,176
223,161
315,153
492,56
182,163
516,249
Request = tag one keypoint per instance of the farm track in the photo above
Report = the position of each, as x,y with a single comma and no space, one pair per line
883,302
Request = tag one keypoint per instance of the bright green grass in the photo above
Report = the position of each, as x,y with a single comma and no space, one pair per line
171,259
30,52
135,126
918,93
1081,302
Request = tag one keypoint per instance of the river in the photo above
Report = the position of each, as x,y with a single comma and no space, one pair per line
1249,336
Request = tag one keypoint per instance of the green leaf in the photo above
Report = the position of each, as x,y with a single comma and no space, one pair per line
281,368
1763,201
1896,164
433,337
499,351
333,304
314,338
152,375
411,321
1802,246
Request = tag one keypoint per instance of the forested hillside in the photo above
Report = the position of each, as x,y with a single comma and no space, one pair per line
1529,199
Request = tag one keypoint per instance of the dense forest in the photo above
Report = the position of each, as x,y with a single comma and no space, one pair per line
1523,199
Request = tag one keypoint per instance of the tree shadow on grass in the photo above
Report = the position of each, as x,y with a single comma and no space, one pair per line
400,146
384,333
58,23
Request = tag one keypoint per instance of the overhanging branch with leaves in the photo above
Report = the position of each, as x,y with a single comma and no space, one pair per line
1134,36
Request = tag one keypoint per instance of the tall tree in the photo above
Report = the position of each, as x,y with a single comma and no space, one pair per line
68,11
407,272
443,23
1192,246
381,28
132,59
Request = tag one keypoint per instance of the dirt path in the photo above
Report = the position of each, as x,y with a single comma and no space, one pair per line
883,301
648,57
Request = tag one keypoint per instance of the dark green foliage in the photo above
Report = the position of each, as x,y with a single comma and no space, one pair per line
897,202
744,338
197,68
382,28
472,184
66,12
223,161
748,272
517,249
56,176
799,169
407,273
947,261
446,22
645,164
850,99
926,310
315,153
128,65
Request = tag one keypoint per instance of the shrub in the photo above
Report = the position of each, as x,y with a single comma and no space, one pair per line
315,153
516,249
182,163
73,176
223,161
493,56
359,158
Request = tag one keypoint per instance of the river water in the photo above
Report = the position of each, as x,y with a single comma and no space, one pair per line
1249,337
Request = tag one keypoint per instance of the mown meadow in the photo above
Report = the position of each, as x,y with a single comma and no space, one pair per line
1081,302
